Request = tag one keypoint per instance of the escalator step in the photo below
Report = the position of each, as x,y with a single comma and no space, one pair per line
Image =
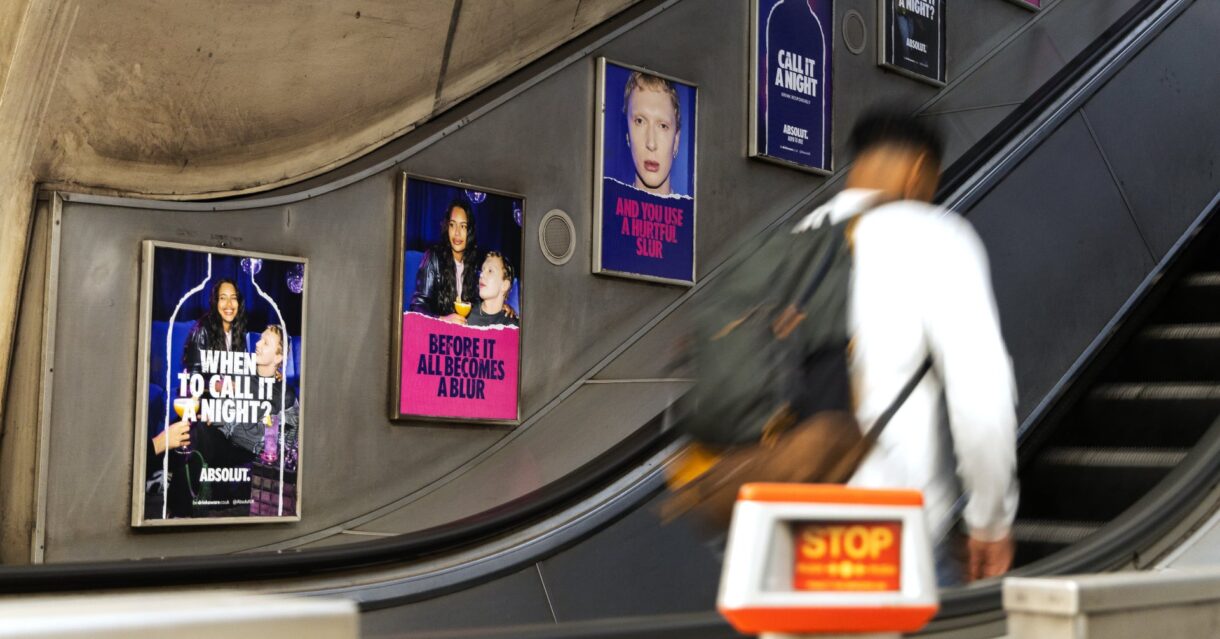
1197,298
1158,391
1204,279
1113,457
1144,414
1091,484
1172,353
1038,538
1052,531
1183,332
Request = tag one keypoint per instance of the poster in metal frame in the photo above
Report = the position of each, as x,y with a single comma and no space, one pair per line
655,223
761,110
266,492
889,30
460,409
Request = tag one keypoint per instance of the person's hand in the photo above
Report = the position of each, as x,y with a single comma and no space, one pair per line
454,318
988,558
178,434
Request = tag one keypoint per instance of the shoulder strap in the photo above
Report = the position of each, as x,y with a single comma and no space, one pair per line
884,419
820,272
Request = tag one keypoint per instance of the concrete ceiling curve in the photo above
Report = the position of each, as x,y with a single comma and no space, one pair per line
161,98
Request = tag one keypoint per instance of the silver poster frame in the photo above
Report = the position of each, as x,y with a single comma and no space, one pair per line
139,469
753,144
599,168
400,245
886,56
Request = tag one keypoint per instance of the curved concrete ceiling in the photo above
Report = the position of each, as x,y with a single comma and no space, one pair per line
187,100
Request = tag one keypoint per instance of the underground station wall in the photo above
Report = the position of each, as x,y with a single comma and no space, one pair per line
537,148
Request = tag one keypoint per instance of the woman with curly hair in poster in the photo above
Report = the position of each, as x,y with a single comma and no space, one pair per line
222,328
449,271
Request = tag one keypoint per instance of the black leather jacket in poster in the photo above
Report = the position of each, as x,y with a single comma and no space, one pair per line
428,297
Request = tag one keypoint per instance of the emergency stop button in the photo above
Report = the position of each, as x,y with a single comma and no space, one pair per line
814,558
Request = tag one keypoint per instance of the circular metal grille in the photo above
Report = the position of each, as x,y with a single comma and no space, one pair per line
855,33
557,237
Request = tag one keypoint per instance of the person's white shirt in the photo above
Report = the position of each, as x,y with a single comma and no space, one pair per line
921,286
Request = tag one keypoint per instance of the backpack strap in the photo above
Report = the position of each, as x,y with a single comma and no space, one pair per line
822,270
875,432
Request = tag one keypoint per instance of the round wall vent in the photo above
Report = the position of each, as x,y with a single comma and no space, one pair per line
855,32
557,237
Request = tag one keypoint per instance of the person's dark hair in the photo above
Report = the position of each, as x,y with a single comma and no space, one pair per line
509,273
895,128
470,277
469,211
213,326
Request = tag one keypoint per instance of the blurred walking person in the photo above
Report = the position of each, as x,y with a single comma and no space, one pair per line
921,287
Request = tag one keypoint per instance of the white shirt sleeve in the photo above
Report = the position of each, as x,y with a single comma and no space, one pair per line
963,331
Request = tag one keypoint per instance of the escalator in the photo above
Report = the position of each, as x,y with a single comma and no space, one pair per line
1133,421
1120,451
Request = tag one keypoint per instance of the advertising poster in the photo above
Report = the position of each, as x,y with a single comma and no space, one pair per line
222,340
458,307
913,36
644,186
790,80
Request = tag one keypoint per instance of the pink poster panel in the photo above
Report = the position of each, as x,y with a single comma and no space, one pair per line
457,371
458,303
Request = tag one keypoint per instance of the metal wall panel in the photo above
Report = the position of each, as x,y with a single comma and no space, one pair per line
593,419
1064,253
1168,173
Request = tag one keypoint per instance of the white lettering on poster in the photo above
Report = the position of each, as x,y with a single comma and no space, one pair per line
795,72
213,474
922,8
796,132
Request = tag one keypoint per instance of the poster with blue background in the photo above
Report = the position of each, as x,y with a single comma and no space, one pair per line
644,202
790,110
219,404
913,36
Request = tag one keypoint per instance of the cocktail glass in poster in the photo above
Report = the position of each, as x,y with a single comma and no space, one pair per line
644,180
913,40
790,83
221,359
458,311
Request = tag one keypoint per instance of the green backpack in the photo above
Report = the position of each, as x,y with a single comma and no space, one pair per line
770,340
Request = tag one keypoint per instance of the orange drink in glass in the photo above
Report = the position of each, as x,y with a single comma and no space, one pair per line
462,308
180,405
